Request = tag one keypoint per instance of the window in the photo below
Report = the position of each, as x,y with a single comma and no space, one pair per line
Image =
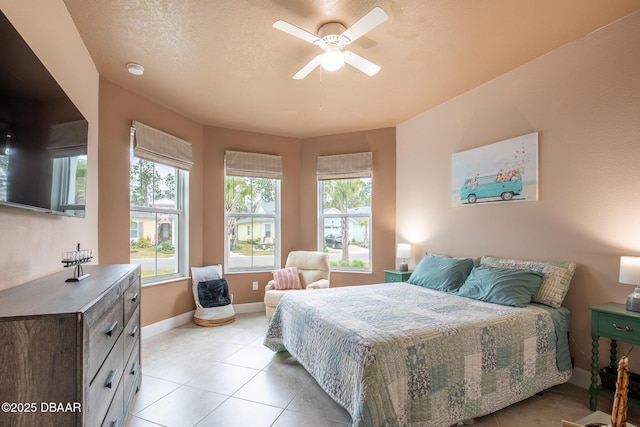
344,205
252,211
4,173
69,184
67,146
158,207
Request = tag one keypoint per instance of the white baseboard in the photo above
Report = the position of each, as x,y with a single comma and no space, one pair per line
184,318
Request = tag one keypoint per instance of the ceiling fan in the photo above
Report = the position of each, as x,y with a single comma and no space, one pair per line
331,38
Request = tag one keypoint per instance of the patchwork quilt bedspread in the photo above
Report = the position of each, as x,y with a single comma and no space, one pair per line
403,355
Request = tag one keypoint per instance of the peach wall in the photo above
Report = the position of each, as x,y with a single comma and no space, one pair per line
382,144
32,242
583,99
217,140
118,108
299,198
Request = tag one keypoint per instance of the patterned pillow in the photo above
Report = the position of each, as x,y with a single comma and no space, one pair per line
286,278
555,282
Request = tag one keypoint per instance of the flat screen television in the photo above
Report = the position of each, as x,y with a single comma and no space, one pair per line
43,136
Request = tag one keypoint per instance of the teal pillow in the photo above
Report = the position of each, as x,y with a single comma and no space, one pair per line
442,274
501,285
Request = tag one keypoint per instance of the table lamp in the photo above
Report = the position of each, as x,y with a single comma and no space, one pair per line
630,275
404,252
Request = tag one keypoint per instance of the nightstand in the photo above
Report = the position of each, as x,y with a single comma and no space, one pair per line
613,321
396,275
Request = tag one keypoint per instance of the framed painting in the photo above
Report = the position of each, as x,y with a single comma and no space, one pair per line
503,172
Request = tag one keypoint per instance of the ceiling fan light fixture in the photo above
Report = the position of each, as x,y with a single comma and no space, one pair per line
332,59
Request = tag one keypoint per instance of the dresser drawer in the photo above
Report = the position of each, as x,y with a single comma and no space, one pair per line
132,374
131,333
131,298
115,414
104,385
616,327
103,335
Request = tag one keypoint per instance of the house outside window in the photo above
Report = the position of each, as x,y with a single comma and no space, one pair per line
344,211
252,211
158,207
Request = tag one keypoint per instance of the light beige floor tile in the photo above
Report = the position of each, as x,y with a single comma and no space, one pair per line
312,400
241,413
272,388
251,357
139,422
222,378
151,390
178,369
183,407
296,419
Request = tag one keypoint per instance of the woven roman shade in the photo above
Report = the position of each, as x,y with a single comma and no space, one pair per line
344,166
158,146
238,163
68,139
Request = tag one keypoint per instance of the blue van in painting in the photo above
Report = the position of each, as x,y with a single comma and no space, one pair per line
503,185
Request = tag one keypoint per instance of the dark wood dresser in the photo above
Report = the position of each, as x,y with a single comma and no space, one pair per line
70,351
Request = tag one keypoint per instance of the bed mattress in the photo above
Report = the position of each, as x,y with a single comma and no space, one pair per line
400,354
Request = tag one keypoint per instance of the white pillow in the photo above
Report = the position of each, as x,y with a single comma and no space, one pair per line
204,274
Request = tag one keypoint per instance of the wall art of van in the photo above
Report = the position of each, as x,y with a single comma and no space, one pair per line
502,172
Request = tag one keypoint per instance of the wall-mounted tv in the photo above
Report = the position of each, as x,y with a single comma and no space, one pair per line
43,136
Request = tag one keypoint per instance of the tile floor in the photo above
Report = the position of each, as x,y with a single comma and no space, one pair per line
224,376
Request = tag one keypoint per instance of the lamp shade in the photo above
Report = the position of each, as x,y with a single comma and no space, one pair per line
404,250
629,270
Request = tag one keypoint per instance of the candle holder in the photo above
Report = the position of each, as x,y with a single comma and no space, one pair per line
76,259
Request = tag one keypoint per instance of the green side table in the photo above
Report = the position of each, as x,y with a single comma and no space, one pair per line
391,276
613,321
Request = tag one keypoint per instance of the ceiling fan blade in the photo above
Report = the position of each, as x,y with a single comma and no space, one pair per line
358,62
296,32
304,71
365,24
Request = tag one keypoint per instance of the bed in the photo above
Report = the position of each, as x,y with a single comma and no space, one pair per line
407,354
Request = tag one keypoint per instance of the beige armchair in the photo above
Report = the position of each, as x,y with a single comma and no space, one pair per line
313,269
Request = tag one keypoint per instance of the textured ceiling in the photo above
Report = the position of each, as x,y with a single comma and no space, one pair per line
221,63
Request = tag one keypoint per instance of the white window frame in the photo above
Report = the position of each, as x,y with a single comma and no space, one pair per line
346,216
251,166
161,148
275,232
182,238
345,167
64,173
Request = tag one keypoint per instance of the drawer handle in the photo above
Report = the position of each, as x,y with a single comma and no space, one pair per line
112,328
110,378
134,368
620,328
134,297
134,330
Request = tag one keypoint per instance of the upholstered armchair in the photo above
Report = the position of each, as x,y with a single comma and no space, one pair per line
312,273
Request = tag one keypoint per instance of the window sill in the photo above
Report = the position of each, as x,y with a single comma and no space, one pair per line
165,281
351,271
